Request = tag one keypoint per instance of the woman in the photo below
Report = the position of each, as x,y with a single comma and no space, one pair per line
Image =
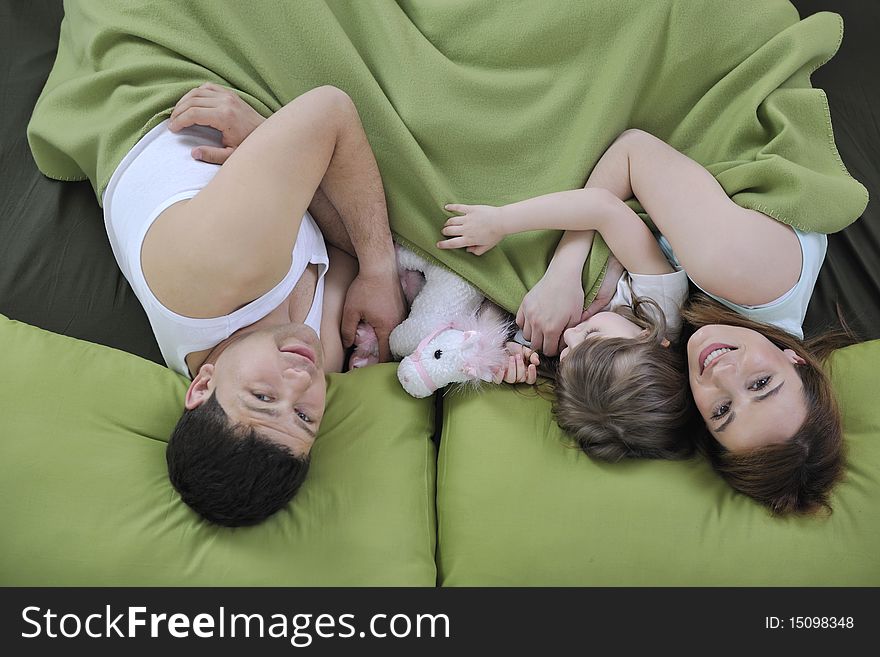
772,425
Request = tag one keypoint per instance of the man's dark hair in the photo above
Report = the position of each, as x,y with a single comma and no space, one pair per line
228,473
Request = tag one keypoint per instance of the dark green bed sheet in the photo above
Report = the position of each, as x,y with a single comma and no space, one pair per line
57,271
56,267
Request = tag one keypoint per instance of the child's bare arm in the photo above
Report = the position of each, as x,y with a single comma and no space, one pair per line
632,242
724,248
480,227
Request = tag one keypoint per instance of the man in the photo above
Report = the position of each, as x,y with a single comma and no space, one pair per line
238,284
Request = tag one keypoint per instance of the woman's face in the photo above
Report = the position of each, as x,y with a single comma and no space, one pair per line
746,388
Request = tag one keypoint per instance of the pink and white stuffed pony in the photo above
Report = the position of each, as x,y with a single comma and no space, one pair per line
453,333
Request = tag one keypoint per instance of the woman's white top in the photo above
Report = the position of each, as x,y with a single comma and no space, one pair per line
788,311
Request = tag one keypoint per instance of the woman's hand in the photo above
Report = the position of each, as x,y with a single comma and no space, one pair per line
479,228
522,365
219,108
554,304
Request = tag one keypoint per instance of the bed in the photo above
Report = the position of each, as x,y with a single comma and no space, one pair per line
453,490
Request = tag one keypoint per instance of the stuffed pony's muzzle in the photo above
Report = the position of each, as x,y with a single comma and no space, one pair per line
412,380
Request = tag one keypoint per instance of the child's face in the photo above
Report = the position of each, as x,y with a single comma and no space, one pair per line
606,325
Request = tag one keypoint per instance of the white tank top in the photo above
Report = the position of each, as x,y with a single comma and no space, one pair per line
668,291
788,311
158,172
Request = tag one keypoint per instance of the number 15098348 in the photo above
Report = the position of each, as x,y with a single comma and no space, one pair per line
809,622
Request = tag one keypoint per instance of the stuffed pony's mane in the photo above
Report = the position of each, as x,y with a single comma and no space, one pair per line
487,354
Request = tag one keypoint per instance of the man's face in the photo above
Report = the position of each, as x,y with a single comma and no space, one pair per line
272,380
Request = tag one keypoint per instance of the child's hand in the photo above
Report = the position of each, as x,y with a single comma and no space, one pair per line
478,228
219,108
522,365
551,306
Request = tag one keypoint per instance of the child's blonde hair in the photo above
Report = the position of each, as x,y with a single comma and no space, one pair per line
627,397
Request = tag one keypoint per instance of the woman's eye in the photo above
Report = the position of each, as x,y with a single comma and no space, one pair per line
262,397
720,411
760,383
305,418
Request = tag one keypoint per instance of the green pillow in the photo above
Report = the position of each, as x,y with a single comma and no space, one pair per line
85,497
518,505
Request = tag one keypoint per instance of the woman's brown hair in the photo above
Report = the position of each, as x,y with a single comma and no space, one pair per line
795,476
627,397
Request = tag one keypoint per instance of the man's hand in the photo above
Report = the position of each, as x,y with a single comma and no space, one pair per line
219,108
554,304
613,272
521,366
479,228
376,299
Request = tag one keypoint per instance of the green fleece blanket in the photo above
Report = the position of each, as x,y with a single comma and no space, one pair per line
476,102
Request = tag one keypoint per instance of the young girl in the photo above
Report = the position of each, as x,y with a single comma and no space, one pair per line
764,400
621,386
